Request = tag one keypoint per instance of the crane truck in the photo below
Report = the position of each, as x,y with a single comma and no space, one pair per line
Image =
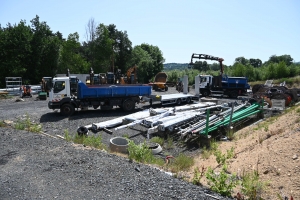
222,84
104,96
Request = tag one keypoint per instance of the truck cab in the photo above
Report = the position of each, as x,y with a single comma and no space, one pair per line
205,81
61,88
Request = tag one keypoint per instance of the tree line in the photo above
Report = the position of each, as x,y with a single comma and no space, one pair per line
34,51
254,69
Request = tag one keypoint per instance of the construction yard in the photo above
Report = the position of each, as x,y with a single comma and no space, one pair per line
270,147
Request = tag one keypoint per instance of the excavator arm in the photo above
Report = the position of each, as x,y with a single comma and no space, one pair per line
132,71
208,57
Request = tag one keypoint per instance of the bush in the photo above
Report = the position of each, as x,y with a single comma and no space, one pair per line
198,175
158,140
223,183
140,153
221,158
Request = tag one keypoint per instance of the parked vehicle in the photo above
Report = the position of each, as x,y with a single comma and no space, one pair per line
132,75
46,85
25,91
222,84
160,82
103,96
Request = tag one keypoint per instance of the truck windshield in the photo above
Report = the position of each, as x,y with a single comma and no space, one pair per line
59,86
203,79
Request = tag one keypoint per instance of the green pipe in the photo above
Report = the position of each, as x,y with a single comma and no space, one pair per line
207,121
215,127
237,114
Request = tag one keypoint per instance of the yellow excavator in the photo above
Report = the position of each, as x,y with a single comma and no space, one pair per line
132,75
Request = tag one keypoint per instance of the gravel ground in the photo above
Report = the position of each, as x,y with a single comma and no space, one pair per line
34,166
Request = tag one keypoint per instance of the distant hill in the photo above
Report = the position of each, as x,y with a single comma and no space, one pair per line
171,66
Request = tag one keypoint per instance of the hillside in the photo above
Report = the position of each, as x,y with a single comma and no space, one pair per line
172,66
271,148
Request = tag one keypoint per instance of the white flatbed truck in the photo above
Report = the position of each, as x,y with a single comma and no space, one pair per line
167,99
176,98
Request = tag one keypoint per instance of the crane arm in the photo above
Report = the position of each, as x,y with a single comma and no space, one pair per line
208,57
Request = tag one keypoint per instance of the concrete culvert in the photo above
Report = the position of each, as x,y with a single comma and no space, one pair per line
155,148
118,144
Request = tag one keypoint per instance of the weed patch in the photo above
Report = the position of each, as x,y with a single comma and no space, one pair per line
206,153
181,163
198,174
252,187
2,124
68,138
92,141
26,124
169,143
221,158
140,153
222,183
158,140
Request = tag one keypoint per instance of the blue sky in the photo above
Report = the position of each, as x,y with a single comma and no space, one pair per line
227,29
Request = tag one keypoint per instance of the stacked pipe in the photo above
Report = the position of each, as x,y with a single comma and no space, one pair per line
251,110
199,126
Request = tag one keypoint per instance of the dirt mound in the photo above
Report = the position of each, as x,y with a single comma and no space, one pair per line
270,147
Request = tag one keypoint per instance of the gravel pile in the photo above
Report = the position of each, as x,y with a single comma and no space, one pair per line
34,166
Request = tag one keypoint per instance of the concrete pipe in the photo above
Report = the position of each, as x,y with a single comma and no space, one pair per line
154,147
118,144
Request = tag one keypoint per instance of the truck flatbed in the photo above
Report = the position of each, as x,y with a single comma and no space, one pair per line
105,91
167,99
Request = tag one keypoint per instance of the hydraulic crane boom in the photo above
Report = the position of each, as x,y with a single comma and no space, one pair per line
208,57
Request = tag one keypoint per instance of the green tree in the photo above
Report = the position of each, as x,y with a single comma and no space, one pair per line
197,65
287,59
282,71
271,71
157,60
255,62
205,66
242,60
70,58
44,45
15,50
249,73
122,48
238,69
215,66
294,70
103,50
143,60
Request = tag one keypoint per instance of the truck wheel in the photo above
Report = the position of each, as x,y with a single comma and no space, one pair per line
188,100
205,93
233,94
166,88
67,109
128,105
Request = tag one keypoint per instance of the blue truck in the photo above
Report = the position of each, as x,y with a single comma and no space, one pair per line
223,85
220,85
96,96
